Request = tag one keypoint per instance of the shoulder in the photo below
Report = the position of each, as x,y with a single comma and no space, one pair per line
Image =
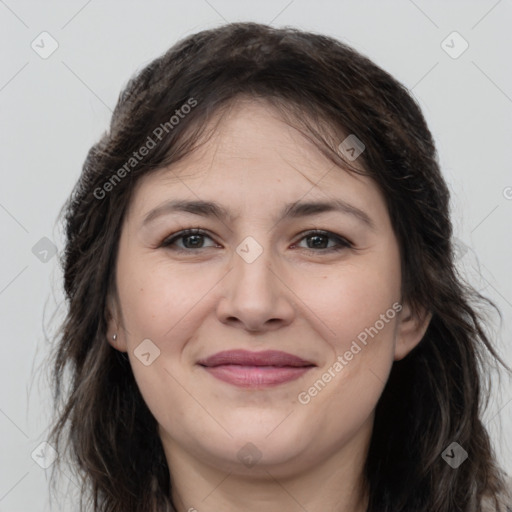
504,499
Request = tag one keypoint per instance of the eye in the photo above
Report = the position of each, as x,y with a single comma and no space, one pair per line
320,238
192,239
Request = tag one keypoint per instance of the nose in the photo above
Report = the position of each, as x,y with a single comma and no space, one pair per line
256,296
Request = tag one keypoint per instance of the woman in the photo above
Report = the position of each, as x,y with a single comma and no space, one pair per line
263,304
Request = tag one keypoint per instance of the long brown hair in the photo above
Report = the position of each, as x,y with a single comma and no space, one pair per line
434,396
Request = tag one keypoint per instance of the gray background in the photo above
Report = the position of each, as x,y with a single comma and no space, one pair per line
54,108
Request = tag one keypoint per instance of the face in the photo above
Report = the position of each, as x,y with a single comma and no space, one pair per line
269,332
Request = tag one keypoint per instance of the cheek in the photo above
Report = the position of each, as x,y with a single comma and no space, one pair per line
355,299
362,308
166,399
345,392
158,300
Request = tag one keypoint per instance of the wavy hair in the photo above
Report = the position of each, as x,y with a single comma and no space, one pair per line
436,395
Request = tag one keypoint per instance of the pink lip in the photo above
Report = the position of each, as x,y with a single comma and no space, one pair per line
255,369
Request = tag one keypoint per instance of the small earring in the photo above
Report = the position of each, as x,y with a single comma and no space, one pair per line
114,337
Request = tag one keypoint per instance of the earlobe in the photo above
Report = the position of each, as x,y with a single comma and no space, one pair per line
116,342
116,339
410,331
114,332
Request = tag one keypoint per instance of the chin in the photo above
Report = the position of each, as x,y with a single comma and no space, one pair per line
255,448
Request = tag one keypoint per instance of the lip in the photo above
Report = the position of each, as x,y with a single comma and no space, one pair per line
248,369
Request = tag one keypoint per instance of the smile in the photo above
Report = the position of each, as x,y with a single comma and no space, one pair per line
255,369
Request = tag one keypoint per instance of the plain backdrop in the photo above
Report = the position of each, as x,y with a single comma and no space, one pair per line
55,106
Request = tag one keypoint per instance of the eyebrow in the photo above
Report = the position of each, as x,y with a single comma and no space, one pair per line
291,210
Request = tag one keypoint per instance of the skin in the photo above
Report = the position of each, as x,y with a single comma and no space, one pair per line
312,304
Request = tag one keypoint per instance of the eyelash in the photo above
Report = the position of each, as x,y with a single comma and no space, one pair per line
343,243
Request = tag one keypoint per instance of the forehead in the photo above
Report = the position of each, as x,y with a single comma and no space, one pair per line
250,152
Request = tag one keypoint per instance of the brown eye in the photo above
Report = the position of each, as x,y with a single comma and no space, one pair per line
191,239
318,241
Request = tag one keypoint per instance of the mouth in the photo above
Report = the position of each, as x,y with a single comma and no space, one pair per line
255,369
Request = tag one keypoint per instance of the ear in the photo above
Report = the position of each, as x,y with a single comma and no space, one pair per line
114,326
410,330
